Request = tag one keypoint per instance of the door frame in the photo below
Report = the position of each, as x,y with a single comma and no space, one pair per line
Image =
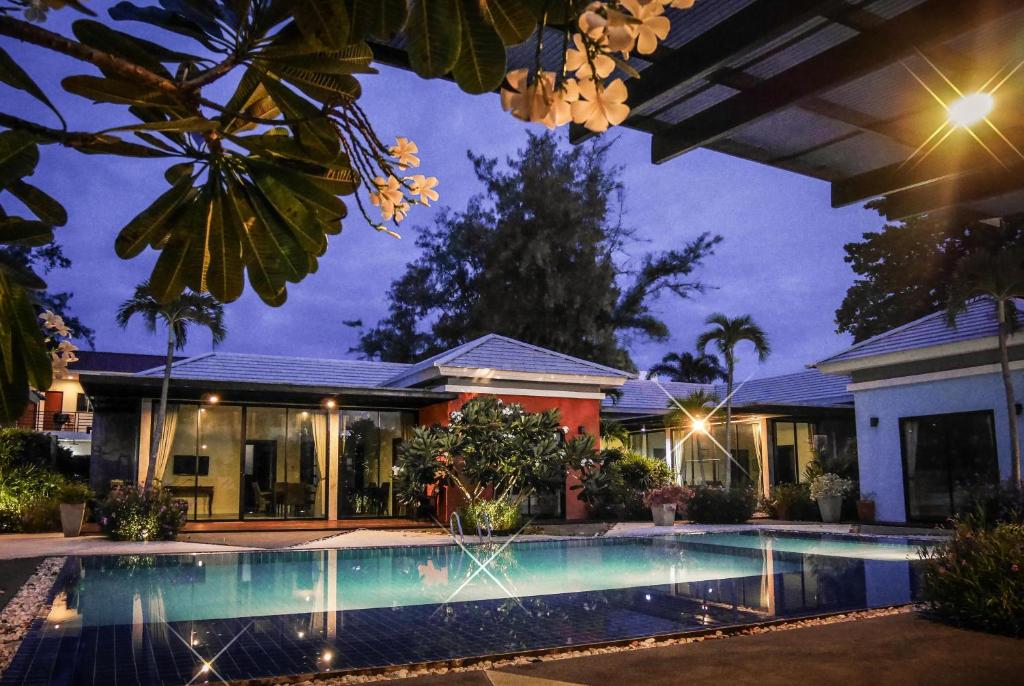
949,472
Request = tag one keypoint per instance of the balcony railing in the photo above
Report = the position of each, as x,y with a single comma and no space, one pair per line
48,420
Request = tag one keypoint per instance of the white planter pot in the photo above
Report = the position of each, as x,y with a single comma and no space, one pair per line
71,518
664,515
831,507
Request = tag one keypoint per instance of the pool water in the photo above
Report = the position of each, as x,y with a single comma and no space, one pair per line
166,619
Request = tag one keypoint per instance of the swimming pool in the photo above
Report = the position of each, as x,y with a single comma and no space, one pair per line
165,619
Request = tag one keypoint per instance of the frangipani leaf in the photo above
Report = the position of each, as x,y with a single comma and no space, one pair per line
42,205
193,124
153,224
26,231
480,67
379,18
513,19
259,254
224,273
19,156
163,19
118,91
434,35
16,77
322,22
135,50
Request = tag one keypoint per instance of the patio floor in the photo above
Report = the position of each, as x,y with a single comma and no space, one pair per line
902,649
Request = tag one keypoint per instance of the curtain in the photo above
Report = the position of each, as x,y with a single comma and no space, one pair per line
320,442
911,430
163,451
759,456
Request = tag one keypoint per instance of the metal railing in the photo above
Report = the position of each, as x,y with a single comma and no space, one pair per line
48,420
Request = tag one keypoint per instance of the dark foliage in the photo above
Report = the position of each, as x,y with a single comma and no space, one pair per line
976,580
712,505
904,270
134,513
538,256
689,368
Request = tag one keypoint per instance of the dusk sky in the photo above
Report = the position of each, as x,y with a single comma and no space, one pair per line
781,260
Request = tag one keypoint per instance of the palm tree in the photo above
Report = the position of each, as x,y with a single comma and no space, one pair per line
200,309
997,275
690,368
693,405
726,334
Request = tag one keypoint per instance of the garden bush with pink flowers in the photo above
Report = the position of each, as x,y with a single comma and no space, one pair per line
976,580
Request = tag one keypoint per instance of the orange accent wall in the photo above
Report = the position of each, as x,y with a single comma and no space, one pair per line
574,412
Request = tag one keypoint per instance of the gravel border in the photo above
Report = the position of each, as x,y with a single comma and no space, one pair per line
32,601
485,663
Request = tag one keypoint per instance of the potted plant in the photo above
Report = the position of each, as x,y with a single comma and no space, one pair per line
866,508
73,497
828,490
664,503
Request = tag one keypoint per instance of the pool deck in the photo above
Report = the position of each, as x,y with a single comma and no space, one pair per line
901,649
14,546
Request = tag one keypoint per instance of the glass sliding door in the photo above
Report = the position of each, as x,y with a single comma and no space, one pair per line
284,463
793,450
945,457
370,444
198,458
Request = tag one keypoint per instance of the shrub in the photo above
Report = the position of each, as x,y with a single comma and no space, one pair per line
134,513
630,475
21,486
668,495
995,503
503,514
791,502
42,514
976,580
74,493
713,505
829,485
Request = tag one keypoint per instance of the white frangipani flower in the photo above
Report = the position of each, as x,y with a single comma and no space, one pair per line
576,60
653,25
405,151
600,106
423,186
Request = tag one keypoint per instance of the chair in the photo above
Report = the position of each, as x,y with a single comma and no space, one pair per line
383,496
263,500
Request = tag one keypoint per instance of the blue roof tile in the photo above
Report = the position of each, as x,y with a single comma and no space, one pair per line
809,387
977,321
507,354
301,371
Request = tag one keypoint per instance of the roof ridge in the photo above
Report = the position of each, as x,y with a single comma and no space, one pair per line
175,363
292,357
564,356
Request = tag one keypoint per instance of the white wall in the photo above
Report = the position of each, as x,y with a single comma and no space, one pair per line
878,448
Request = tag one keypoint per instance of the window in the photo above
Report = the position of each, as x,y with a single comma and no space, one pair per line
945,457
792,448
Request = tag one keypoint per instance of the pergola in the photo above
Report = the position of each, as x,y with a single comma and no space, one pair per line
854,92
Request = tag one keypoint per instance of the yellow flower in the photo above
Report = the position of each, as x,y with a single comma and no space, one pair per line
423,186
54,321
600,106
593,24
653,25
528,101
576,60
405,152
387,196
620,35
679,4
560,112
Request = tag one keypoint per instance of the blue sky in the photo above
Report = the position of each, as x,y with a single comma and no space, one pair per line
781,260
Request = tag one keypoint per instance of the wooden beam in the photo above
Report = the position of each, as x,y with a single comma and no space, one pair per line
948,194
931,22
750,28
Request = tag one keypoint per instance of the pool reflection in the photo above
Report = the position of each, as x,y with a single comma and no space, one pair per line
167,619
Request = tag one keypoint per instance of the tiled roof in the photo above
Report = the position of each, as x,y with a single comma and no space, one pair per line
299,371
507,354
810,387
124,363
977,321
643,395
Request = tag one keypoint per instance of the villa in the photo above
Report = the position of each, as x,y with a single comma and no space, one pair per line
255,437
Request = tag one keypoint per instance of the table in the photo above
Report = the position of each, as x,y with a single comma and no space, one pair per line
194,492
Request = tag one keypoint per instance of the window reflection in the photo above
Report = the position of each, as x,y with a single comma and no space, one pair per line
370,443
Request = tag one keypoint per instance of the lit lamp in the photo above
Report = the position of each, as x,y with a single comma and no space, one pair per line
970,109
700,426
212,398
